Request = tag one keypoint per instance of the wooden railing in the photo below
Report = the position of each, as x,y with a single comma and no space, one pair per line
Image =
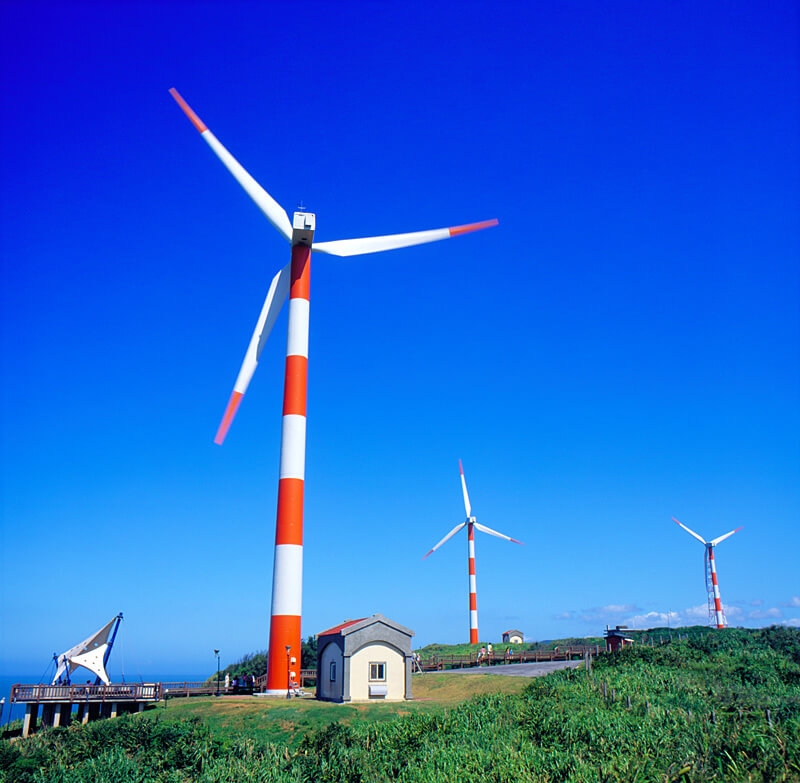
305,676
170,690
141,691
494,658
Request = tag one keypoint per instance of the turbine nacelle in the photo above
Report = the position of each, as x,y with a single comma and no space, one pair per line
303,224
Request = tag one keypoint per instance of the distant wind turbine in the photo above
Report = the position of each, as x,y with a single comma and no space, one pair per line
293,283
716,616
471,524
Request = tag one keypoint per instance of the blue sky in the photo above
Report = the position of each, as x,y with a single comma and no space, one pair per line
623,348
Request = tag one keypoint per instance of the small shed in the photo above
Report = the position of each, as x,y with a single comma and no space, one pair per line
513,636
616,638
364,660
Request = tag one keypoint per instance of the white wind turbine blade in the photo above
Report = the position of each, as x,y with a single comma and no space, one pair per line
273,211
690,532
467,505
491,532
727,535
364,245
276,296
446,538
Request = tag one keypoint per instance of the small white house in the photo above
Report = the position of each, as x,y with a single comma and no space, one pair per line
364,660
513,636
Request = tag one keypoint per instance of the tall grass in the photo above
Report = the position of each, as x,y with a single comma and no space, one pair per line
693,710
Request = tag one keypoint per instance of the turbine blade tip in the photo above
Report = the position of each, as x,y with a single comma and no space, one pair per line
187,110
469,227
227,418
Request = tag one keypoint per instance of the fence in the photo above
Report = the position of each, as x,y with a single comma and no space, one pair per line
571,653
92,693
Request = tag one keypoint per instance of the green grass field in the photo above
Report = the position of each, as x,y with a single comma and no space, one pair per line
288,721
720,706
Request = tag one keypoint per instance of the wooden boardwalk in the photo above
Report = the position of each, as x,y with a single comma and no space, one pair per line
438,663
61,704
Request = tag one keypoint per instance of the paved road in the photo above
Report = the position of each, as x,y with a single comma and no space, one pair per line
518,669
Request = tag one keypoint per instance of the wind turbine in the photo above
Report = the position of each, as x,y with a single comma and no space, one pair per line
716,616
471,523
292,282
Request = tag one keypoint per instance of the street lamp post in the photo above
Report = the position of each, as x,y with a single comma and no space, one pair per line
216,652
288,671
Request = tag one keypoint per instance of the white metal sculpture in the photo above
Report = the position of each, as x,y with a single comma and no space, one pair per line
91,653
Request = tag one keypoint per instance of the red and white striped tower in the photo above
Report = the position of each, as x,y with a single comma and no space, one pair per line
471,524
293,281
716,615
712,568
287,577
473,589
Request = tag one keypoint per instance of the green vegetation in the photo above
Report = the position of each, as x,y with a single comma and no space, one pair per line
652,636
255,664
716,706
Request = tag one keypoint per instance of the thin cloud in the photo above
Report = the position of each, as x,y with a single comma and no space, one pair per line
766,614
655,619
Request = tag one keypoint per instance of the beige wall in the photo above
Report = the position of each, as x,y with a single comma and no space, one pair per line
395,672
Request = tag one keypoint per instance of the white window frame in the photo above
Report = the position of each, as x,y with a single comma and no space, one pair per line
378,678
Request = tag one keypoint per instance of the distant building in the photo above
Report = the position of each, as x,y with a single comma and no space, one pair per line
513,637
364,660
616,638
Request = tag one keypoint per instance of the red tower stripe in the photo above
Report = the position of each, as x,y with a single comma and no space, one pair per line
295,385
289,529
300,286
473,601
285,627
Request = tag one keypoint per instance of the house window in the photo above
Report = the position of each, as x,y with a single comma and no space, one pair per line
377,672
333,671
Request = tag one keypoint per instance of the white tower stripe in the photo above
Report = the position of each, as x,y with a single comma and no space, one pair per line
297,341
293,447
287,582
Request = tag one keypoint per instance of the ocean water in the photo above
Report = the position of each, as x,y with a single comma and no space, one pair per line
17,711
